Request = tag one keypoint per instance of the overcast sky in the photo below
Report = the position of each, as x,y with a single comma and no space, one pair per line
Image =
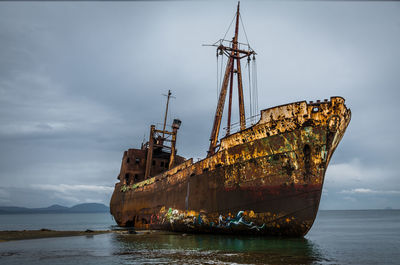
82,82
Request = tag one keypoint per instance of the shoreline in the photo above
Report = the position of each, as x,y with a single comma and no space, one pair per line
12,235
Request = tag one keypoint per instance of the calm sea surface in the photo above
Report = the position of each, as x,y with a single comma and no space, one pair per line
337,237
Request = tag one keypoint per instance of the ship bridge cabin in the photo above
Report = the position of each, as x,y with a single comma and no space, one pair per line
133,167
155,156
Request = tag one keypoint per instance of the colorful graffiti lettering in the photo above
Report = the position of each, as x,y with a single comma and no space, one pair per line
238,220
192,219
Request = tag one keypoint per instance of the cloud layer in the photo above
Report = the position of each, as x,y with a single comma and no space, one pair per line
81,82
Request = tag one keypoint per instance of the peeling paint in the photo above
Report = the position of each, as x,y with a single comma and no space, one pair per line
275,169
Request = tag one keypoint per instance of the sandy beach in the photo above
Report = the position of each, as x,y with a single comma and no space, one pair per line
44,233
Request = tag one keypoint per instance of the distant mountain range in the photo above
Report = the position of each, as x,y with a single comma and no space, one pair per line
79,208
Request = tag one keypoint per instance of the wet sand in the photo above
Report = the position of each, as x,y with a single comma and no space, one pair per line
44,233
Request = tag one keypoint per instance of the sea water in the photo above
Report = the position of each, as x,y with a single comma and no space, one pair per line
57,221
337,237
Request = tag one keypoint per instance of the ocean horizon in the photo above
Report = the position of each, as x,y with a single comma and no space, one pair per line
337,237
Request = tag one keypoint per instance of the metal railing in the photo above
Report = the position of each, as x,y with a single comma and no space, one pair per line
250,121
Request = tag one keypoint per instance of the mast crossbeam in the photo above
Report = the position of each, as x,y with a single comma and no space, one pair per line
234,53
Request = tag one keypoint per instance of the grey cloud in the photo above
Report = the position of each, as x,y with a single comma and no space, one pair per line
65,188
370,191
68,195
81,82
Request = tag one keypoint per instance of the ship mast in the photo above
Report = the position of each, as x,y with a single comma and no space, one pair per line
166,111
235,54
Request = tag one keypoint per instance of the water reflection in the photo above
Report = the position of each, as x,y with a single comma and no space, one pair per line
162,247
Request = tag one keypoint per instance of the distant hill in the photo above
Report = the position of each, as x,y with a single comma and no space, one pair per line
54,207
79,208
89,208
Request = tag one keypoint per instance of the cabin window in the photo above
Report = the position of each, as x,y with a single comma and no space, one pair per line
166,165
154,162
128,160
136,177
315,109
162,164
137,160
127,178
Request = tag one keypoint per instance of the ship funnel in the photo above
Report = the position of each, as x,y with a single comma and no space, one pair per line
176,124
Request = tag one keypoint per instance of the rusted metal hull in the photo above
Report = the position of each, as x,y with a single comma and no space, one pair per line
264,180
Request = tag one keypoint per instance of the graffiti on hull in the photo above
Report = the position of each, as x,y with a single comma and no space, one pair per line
238,220
192,219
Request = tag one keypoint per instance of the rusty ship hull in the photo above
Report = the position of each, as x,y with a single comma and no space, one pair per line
264,180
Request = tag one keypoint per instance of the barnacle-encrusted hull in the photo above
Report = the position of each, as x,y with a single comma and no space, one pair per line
266,179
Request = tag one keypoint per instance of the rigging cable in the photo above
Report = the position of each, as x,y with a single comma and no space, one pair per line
253,93
257,108
249,76
217,76
229,27
255,86
244,30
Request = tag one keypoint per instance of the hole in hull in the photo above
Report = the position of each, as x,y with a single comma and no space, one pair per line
307,161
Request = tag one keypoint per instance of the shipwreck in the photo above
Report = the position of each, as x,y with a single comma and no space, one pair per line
264,179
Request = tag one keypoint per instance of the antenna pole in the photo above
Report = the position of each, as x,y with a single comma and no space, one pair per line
166,112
